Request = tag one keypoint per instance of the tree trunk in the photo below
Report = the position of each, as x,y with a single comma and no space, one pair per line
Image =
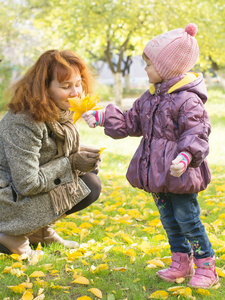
118,88
127,82
221,77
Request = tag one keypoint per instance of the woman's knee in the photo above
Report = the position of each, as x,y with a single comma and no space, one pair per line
93,182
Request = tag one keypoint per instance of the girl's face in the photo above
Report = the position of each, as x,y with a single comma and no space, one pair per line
61,91
153,76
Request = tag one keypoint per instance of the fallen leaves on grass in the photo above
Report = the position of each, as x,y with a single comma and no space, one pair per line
129,227
96,292
159,295
81,280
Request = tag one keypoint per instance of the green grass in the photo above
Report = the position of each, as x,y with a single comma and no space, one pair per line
121,212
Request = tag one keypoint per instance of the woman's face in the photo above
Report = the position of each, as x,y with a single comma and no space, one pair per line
61,91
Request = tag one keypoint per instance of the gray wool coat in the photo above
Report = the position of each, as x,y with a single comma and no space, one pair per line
28,173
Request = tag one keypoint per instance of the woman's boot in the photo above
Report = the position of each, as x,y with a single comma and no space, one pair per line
18,244
181,266
47,235
205,274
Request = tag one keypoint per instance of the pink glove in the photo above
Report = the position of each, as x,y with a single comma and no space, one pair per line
94,118
180,164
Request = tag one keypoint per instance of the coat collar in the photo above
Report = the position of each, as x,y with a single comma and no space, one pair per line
173,84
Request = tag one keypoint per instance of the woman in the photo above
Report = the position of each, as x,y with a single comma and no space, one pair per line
45,174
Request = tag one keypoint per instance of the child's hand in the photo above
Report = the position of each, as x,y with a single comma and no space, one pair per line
94,118
180,163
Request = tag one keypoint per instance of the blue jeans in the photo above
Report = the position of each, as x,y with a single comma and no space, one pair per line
179,215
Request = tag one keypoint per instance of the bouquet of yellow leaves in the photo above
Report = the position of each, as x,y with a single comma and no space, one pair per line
83,104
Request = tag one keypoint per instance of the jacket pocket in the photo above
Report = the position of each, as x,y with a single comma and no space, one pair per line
14,194
16,197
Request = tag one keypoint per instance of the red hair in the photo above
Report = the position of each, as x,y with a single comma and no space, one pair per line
30,93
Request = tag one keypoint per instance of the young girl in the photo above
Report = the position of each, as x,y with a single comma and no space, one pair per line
170,161
45,174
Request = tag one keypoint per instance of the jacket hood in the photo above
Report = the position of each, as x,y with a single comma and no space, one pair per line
191,82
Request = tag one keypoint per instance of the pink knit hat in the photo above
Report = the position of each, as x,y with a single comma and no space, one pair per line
175,52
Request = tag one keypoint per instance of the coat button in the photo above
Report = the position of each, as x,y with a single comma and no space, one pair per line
57,181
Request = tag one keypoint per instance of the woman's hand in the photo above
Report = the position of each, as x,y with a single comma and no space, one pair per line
94,117
88,149
180,164
84,161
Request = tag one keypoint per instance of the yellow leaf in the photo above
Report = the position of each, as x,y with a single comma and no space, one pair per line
101,150
84,262
156,262
27,285
85,225
184,292
17,265
159,237
159,295
84,298
6,270
150,266
221,250
40,291
81,280
222,257
96,292
121,269
58,287
203,292
132,259
210,203
54,272
17,289
17,272
155,223
74,255
166,259
127,239
220,188
19,257
174,288
68,269
37,274
27,296
149,230
47,266
98,256
144,246
218,222
35,258
76,116
130,252
101,267
180,280
220,272
40,297
81,105
41,283
39,246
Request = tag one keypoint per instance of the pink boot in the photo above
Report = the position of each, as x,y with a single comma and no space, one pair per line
205,274
181,266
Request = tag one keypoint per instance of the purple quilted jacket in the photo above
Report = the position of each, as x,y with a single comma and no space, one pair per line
169,123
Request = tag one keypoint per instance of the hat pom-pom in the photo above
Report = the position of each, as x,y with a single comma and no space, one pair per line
191,29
